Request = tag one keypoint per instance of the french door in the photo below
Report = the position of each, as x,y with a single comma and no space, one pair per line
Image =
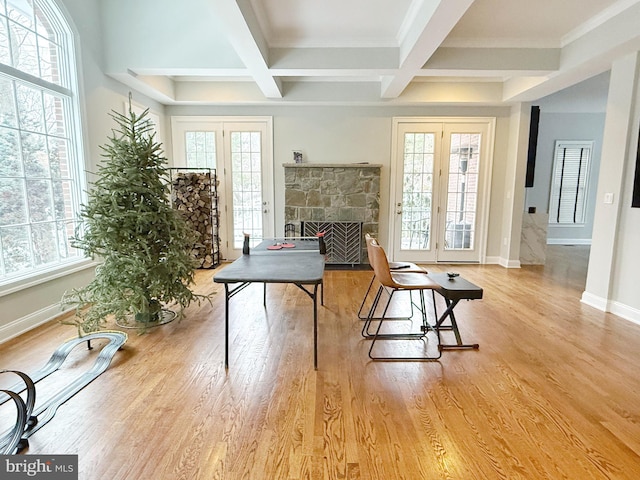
440,168
240,150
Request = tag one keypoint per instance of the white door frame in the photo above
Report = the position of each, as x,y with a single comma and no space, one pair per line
218,124
486,168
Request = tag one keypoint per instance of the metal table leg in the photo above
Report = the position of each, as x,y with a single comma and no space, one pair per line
315,325
228,293
448,313
226,326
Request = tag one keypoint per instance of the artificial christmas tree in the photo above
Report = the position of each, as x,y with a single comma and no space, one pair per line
128,224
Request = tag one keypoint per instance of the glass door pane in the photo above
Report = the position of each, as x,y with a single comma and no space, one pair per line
246,171
200,149
462,191
417,191
438,175
466,156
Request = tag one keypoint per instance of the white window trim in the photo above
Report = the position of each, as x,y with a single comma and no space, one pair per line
72,71
179,123
553,204
484,199
17,284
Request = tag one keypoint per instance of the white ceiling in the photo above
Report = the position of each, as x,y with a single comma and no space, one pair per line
371,52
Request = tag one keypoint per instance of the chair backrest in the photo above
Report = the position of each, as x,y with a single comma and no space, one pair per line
368,239
379,262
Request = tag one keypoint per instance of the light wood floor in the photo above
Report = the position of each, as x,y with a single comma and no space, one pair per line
553,392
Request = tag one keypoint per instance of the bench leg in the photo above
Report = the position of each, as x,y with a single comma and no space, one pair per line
448,313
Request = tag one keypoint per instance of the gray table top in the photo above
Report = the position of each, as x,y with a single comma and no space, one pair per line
303,269
302,245
456,288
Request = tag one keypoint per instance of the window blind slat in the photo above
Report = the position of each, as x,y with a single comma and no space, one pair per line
567,203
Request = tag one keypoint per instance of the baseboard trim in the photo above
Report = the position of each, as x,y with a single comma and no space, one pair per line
619,309
29,322
568,241
595,301
625,311
506,263
503,262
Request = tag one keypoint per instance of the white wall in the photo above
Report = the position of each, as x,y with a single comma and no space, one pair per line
347,134
565,126
614,262
623,293
575,113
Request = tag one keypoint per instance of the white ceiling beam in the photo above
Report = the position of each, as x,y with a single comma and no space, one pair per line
453,93
427,30
507,59
161,89
246,37
219,93
314,91
337,92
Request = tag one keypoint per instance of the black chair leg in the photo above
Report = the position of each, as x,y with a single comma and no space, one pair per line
364,300
421,336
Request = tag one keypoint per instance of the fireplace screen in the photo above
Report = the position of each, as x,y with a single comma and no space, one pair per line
343,239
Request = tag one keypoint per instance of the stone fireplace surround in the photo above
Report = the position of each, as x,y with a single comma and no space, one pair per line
328,192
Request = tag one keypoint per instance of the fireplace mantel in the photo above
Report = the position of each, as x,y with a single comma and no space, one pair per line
332,165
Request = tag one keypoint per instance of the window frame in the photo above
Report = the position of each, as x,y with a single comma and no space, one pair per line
69,71
555,192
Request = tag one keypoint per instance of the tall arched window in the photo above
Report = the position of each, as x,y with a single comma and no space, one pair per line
40,147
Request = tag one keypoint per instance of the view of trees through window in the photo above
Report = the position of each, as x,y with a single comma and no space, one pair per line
39,187
246,167
417,197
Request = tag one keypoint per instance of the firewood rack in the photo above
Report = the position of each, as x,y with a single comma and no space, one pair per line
194,193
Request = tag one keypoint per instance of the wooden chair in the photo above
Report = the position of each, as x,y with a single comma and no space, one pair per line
393,282
400,267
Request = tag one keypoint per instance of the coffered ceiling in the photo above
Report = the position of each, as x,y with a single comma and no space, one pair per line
366,52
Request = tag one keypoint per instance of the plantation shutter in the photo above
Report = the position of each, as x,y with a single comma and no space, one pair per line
568,192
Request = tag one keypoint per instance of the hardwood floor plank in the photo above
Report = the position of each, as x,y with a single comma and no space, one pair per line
552,393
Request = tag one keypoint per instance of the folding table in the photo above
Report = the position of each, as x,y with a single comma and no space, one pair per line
301,265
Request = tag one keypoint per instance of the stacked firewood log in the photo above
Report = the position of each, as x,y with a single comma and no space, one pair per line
191,195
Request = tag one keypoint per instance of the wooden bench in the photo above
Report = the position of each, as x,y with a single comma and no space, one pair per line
453,289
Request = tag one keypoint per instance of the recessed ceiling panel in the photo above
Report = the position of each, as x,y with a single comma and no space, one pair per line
539,23
331,23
